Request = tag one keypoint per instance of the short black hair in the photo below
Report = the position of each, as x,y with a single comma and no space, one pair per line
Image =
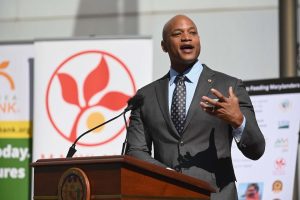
255,185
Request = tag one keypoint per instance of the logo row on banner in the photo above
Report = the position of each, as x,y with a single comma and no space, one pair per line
272,176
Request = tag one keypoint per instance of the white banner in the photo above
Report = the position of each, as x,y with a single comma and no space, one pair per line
277,107
16,64
80,84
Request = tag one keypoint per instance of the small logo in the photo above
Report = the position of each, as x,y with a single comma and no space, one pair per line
285,105
280,164
283,124
277,186
282,143
74,184
8,101
6,76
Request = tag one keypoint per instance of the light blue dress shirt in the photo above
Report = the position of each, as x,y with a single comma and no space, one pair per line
192,76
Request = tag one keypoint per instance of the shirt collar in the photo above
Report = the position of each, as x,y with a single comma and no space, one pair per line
192,74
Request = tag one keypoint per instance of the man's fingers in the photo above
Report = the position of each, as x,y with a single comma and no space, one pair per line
218,94
216,103
208,107
209,102
231,93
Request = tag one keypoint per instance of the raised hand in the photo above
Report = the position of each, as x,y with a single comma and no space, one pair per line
225,108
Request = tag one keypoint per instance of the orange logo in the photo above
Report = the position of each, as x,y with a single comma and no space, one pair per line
4,65
277,186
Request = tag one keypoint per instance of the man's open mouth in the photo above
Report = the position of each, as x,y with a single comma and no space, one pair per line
186,46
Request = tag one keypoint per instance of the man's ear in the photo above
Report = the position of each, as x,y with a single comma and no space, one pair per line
163,46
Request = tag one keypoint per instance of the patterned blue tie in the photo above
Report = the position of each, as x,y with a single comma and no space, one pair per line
178,104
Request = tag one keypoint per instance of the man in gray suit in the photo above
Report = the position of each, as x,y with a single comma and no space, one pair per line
192,114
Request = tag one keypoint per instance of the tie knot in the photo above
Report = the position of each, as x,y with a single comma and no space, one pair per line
180,79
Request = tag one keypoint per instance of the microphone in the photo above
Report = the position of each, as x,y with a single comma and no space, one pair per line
133,103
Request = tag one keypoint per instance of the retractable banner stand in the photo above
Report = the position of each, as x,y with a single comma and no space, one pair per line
15,120
277,106
80,84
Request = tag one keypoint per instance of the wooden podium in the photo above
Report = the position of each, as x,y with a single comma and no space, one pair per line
112,177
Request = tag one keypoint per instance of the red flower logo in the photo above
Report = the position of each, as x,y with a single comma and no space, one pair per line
280,163
95,95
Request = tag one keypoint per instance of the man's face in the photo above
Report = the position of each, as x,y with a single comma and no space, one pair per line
181,41
252,194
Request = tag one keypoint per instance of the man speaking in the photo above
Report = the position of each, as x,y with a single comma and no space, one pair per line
192,114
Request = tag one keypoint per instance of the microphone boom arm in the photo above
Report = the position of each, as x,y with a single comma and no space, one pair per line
133,103
72,149
125,143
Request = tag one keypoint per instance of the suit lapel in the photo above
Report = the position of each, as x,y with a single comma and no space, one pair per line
163,101
205,83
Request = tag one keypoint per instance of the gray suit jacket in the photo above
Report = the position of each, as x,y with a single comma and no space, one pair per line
204,149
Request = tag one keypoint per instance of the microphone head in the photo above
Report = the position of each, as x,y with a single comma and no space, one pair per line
135,102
